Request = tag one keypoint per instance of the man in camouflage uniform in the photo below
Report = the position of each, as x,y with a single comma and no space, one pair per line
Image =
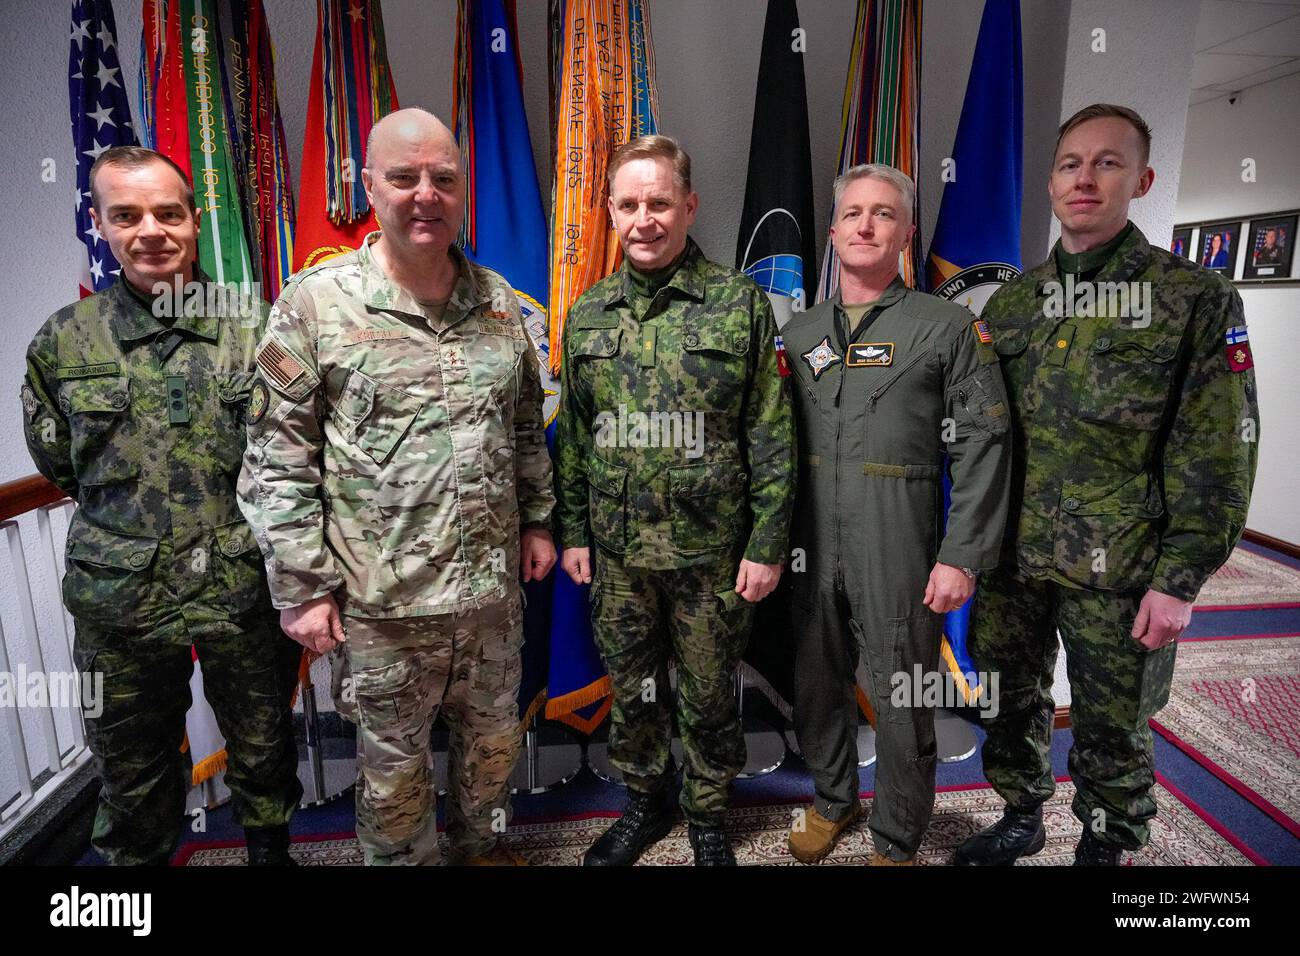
1136,429
396,452
134,406
887,381
675,461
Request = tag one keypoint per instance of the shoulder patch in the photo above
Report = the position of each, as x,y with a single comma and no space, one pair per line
279,366
981,330
30,403
259,400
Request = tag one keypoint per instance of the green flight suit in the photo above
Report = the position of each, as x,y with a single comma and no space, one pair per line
875,414
141,422
674,460
1136,428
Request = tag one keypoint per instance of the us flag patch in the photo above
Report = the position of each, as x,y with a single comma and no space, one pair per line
279,366
982,331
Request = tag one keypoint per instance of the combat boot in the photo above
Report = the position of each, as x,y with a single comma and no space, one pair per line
646,821
711,846
1019,833
819,835
268,846
499,855
1092,852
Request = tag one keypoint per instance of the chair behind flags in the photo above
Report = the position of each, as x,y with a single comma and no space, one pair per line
878,123
505,229
596,46
976,245
101,117
351,89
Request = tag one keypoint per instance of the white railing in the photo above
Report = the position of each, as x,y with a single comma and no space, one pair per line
38,751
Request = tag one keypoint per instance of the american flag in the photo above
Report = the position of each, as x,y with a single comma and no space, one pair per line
101,117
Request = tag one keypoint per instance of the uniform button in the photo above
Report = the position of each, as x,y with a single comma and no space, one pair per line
1061,343
119,400
138,559
1103,343
176,405
692,340
1071,503
176,393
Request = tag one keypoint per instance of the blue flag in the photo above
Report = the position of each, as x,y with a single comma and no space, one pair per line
976,245
506,230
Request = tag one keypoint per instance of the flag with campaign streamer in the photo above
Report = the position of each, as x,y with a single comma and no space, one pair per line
505,229
878,120
976,244
101,118
351,89
184,75
596,46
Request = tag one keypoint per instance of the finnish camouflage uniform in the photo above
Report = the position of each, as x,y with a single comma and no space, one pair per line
398,455
143,426
1135,451
872,409
669,530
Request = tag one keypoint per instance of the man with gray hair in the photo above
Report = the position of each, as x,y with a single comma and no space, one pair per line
888,381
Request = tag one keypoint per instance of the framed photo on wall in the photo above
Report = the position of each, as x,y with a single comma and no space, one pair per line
1181,244
1218,246
1270,247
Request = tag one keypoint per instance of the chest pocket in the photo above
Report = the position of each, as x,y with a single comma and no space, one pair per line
716,355
1128,378
105,442
373,416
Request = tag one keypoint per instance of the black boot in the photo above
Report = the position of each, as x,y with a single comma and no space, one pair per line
1019,833
646,820
268,846
711,846
1092,852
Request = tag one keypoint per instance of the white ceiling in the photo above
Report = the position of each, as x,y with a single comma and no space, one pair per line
1242,43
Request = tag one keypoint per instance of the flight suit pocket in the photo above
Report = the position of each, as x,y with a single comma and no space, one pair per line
108,573
237,568
105,442
708,505
1128,379
607,504
1108,541
374,416
979,397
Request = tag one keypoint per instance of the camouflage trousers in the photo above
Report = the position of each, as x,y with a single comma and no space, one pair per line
1116,686
248,677
642,618
392,677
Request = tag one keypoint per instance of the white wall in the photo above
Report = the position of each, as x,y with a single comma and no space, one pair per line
1264,125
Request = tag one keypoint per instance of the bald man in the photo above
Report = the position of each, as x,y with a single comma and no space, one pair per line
399,485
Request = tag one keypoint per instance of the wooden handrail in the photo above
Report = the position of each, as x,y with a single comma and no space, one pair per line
26,494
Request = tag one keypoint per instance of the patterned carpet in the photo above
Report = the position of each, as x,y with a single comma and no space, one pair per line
1250,579
1235,709
1180,837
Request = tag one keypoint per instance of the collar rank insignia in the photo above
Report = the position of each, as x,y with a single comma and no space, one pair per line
821,357
864,354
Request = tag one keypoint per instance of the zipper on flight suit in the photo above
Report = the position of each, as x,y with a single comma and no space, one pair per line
871,402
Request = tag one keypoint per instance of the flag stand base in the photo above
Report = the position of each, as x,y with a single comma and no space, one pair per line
552,757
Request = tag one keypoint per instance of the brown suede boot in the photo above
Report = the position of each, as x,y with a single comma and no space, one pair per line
819,835
499,855
879,859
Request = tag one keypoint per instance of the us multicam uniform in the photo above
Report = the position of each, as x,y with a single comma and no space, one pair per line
669,529
395,460
143,426
1135,451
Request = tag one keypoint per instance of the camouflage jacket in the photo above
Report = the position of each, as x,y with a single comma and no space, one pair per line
675,436
392,453
144,428
1136,438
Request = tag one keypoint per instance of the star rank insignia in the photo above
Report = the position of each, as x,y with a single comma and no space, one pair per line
821,357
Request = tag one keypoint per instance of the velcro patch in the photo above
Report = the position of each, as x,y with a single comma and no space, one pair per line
280,368
864,354
500,323
374,335
981,329
89,371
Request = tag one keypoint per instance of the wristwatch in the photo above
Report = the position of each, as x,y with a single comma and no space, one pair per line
970,573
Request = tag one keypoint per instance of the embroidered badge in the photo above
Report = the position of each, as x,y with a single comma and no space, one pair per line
863,354
1237,349
982,331
820,357
279,366
30,404
782,360
258,402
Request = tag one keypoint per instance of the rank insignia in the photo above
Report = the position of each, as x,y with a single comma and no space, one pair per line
821,357
782,360
258,402
982,331
864,354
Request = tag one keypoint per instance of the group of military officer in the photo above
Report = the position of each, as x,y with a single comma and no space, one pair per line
381,432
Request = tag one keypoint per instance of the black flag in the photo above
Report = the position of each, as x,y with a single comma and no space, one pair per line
776,246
